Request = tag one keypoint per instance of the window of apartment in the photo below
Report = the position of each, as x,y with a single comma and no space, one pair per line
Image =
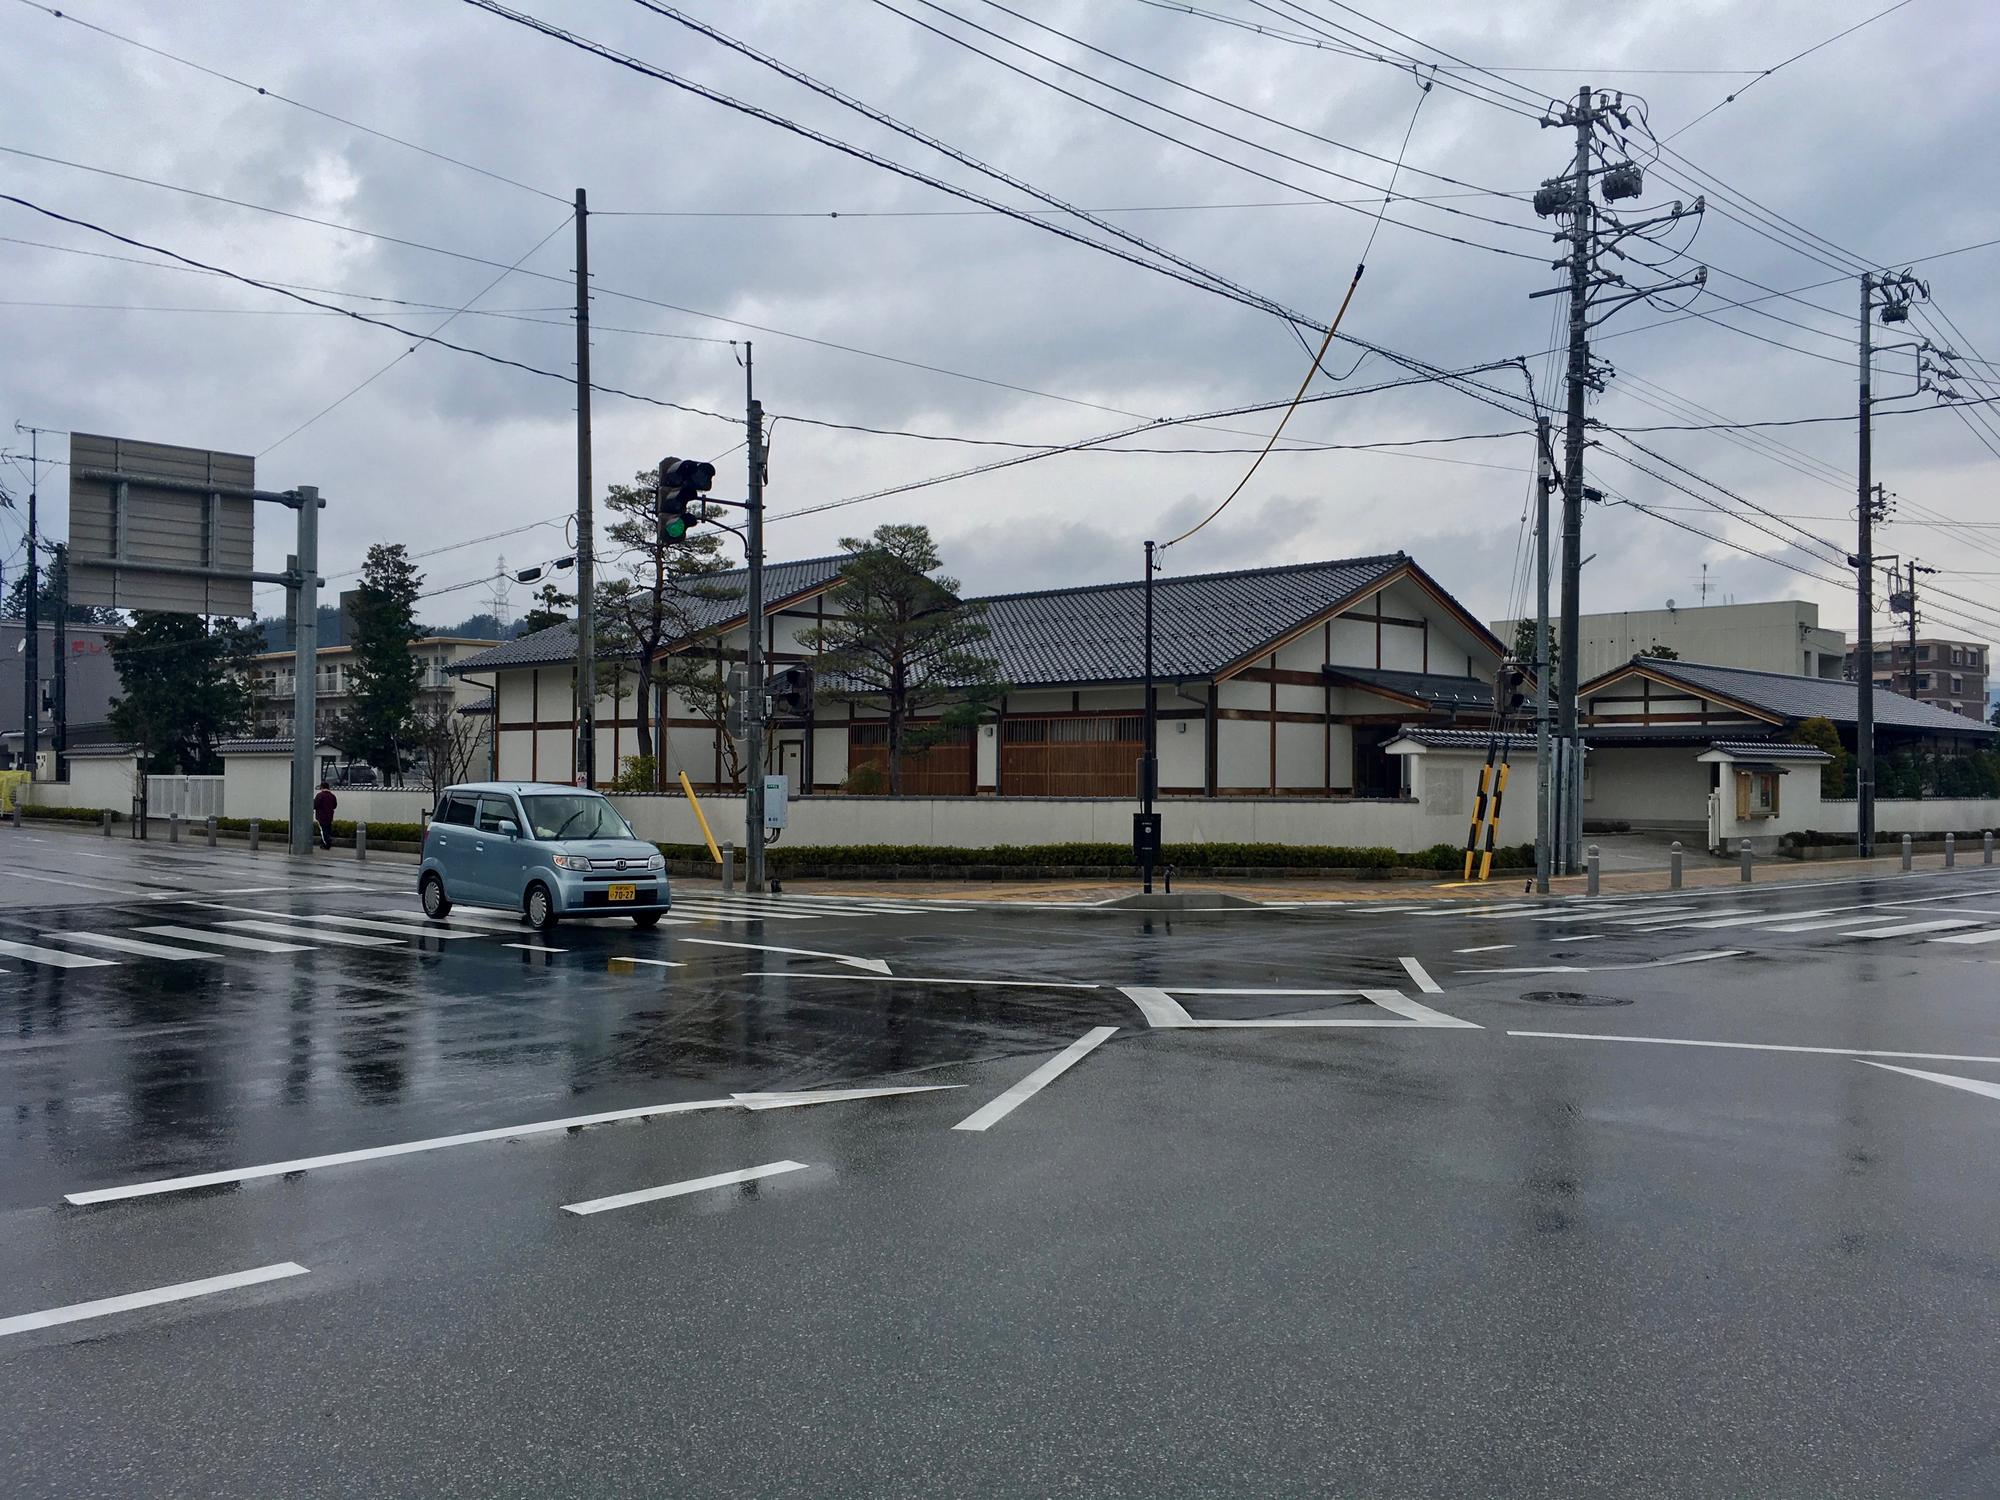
1923,681
1923,653
1881,656
1957,683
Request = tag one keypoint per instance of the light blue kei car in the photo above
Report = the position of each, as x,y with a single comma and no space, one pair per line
542,849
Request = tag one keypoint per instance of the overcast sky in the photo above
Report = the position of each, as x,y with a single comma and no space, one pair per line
1882,143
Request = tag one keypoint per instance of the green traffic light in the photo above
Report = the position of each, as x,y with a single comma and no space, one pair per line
677,529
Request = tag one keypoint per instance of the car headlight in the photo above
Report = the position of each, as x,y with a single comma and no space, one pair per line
572,862
657,862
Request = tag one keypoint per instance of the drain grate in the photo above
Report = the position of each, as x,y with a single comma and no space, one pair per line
1571,997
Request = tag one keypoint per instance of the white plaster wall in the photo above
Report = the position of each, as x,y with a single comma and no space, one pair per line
1931,815
1242,753
1301,755
1353,643
94,781
1649,784
1180,753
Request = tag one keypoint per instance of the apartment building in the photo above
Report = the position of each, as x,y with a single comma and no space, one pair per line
275,674
1948,674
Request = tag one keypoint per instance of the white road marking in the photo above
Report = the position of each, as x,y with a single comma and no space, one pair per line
225,939
1584,937
1009,984
657,963
474,1137
1991,935
1653,916
995,1110
1826,922
1658,963
1949,1080
96,886
1425,983
180,1291
459,917
876,965
1905,929
343,939
682,1189
1672,924
401,929
714,912
1680,1041
129,945
55,958
1484,948
1163,1011
1763,916
798,1098
534,948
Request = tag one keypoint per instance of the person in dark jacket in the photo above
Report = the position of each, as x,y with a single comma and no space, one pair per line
323,806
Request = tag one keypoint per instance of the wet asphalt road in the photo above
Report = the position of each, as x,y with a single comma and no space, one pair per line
1426,1254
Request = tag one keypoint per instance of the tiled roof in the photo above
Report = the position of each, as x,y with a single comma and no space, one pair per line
556,646
1793,698
1434,688
1201,623
1462,739
108,751
272,746
1769,750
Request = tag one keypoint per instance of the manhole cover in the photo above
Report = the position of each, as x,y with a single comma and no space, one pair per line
1571,997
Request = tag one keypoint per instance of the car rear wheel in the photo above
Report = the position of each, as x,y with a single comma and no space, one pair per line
539,908
431,890
647,918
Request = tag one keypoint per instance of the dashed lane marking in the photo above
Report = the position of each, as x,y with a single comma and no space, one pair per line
1485,948
682,1189
180,1291
534,948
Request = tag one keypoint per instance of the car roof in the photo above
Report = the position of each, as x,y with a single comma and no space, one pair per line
520,787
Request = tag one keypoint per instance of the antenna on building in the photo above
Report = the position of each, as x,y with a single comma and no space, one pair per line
1704,583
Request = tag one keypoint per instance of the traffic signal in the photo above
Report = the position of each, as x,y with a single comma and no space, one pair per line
791,693
682,482
1510,688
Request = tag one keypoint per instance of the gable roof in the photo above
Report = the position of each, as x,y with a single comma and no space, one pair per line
1203,624
1790,698
784,583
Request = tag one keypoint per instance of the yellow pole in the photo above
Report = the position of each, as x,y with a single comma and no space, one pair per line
1493,822
694,802
1478,815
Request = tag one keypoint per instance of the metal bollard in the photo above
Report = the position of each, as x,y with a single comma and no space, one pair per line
174,829
253,835
1674,867
728,869
1744,855
1906,853
104,823
17,812
360,840
1590,871
1988,843
209,825
1950,850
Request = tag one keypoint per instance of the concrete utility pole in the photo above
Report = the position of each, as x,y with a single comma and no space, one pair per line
59,667
753,687
1892,294
1548,822
31,671
586,563
1590,232
1149,765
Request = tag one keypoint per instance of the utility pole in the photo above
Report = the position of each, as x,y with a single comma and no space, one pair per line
59,667
753,687
586,563
31,672
1149,764
1546,830
1892,294
1590,233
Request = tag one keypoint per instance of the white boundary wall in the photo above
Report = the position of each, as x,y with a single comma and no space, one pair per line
1930,815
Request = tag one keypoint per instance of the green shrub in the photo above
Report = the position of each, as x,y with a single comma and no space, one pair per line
68,814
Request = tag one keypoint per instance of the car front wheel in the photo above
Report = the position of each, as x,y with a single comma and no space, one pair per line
431,890
540,909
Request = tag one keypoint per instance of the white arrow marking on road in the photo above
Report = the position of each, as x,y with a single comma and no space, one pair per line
1416,971
180,1291
799,1097
873,965
1949,1080
682,1189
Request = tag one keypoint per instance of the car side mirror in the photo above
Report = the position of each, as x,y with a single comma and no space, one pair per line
510,828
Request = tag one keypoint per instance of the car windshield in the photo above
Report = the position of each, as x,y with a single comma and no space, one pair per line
574,815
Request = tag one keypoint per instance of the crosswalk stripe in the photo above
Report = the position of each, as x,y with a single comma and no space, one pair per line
1755,917
1905,929
129,945
1991,935
401,929
1854,920
225,939
734,914
343,939
458,918
55,958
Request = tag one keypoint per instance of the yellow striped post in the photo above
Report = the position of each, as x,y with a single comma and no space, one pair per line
1478,813
1493,821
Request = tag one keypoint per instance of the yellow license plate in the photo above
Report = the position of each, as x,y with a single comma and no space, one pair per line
624,893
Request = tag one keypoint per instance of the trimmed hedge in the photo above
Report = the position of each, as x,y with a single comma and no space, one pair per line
1185,858
69,814
1812,838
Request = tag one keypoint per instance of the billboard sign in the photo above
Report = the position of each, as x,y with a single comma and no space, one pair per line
159,527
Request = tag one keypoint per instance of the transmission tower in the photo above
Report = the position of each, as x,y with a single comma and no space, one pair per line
501,600
1596,236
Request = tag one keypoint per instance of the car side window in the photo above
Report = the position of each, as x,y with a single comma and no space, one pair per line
456,810
493,810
